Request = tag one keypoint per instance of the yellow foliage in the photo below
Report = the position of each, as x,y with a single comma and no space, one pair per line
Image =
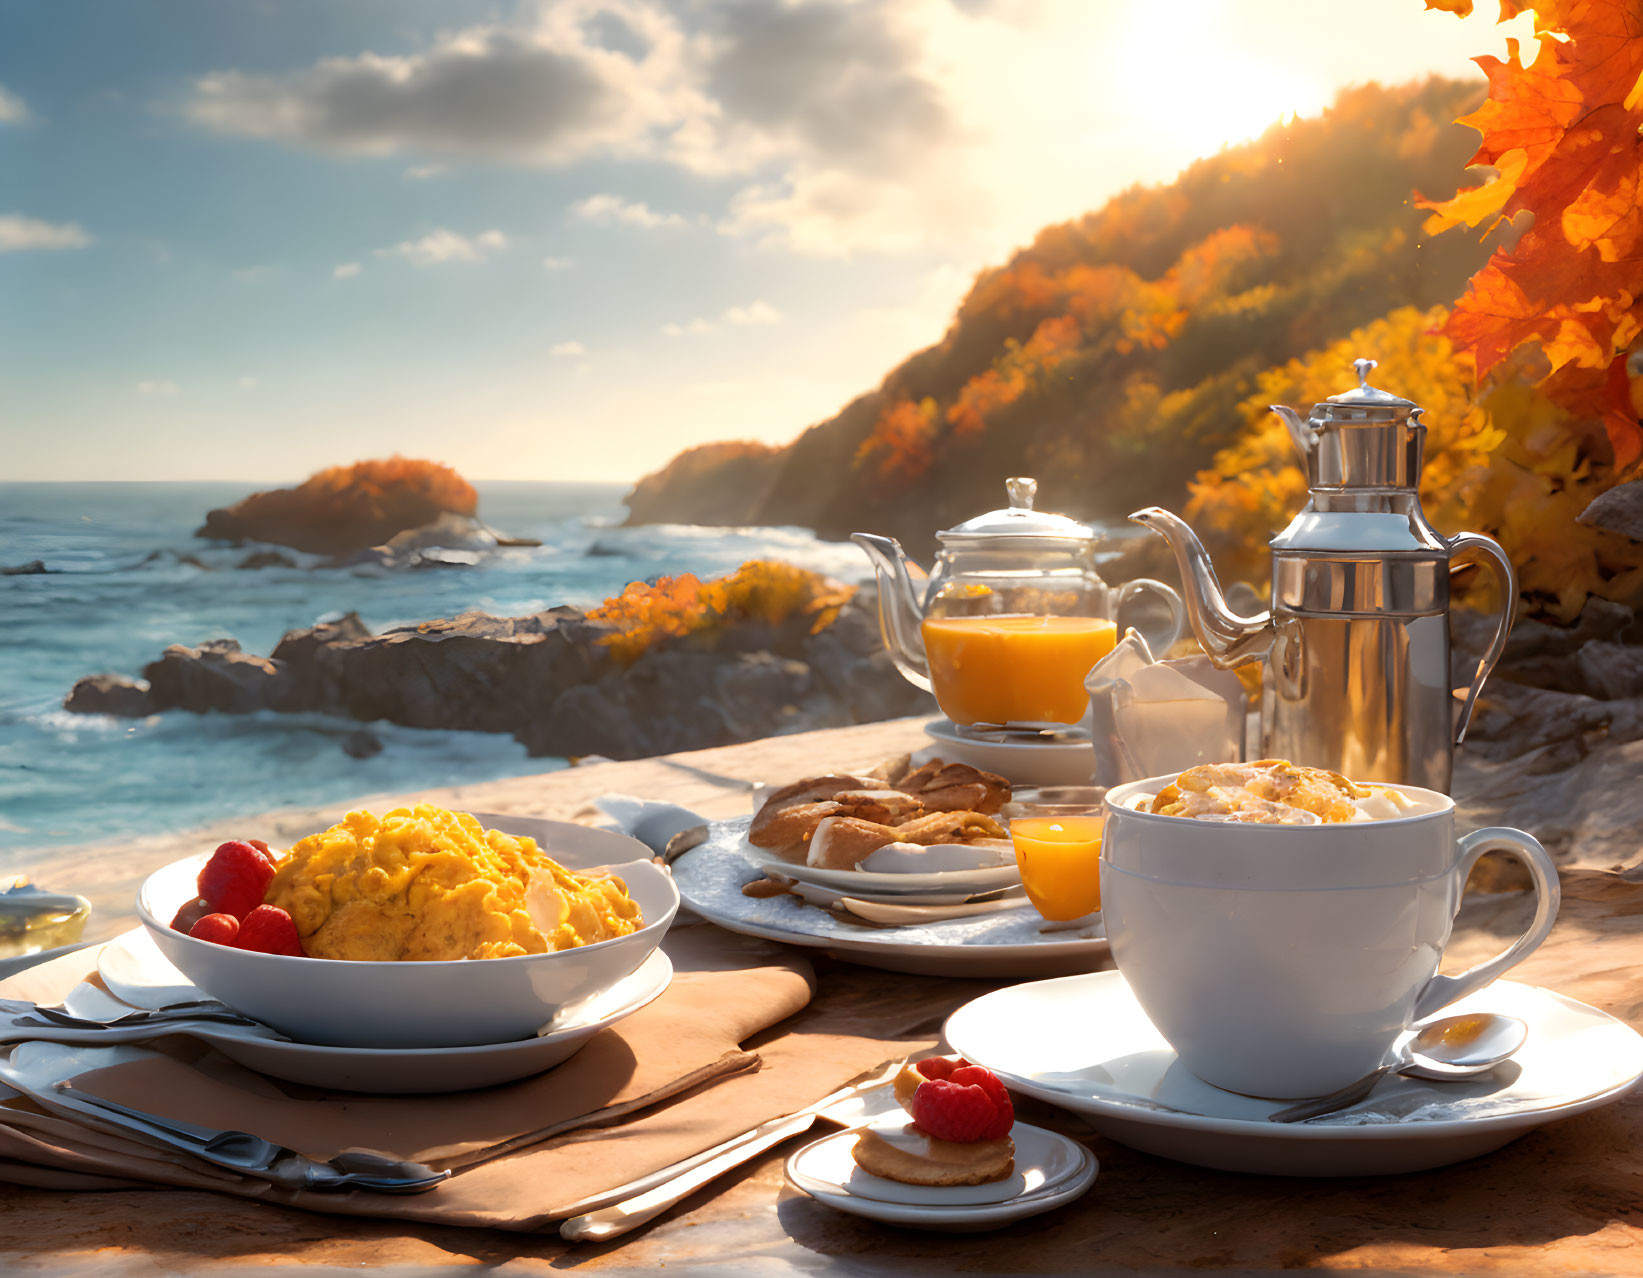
1257,484
1507,464
647,616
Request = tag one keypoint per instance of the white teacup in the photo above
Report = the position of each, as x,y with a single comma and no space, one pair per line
1285,960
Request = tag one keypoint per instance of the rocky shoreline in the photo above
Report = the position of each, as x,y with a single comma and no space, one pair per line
546,679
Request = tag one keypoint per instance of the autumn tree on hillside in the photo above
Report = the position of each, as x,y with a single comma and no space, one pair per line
1530,411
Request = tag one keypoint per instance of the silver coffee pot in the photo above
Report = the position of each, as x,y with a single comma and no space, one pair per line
1357,639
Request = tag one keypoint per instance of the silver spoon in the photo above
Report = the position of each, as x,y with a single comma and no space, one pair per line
1452,1048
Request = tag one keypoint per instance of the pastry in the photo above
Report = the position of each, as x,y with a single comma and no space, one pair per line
835,821
955,787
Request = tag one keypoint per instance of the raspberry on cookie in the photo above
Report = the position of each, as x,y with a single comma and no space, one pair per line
960,1133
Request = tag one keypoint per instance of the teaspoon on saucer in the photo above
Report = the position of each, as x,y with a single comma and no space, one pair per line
1455,1047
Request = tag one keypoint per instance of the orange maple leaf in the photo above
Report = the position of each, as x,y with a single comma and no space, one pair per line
1562,133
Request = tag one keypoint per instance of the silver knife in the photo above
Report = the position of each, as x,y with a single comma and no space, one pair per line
616,1211
253,1156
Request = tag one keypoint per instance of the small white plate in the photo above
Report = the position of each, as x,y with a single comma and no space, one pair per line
134,969
986,878
1049,1170
1083,1043
1003,944
1020,761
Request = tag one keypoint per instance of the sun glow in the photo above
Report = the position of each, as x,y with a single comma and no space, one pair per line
1208,88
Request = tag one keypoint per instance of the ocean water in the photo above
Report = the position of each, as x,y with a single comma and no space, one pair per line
67,778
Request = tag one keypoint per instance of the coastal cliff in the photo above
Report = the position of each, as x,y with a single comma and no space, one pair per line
1111,357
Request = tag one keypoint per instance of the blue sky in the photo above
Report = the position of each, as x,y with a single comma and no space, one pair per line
565,240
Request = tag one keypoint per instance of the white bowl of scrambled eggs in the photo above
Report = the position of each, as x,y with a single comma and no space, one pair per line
424,929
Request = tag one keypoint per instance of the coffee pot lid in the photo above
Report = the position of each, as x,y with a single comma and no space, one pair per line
1363,396
1019,519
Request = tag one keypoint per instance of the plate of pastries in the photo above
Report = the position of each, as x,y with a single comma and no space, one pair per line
898,827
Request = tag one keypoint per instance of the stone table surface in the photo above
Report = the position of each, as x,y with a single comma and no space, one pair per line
1564,1199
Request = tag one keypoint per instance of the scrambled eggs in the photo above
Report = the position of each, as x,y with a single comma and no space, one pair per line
428,883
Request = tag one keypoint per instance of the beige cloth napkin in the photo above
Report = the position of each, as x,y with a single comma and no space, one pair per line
700,1065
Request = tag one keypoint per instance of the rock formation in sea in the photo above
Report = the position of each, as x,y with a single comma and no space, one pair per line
399,506
551,679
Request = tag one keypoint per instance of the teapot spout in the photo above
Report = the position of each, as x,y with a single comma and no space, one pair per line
900,613
1299,432
1230,638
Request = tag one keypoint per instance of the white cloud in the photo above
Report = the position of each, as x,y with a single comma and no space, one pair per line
422,172
157,388
254,274
247,383
19,234
950,128
345,270
13,110
557,263
695,328
441,245
756,312
541,91
807,94
753,313
568,348
604,210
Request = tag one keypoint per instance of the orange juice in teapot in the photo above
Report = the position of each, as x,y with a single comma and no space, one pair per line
1012,616
1014,668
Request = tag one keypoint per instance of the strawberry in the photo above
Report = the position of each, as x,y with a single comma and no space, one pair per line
985,1079
939,1066
220,929
185,918
968,1105
235,878
269,930
263,848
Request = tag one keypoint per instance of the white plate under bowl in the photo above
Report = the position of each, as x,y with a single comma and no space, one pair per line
1007,944
457,1003
872,883
1049,1170
134,969
1083,1043
1021,762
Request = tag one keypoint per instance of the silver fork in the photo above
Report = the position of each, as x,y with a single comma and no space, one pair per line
253,1156
201,1011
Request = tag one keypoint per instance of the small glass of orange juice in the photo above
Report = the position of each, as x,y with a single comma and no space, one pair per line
1057,835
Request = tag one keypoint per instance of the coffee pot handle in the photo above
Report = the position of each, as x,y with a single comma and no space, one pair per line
1162,642
1441,991
1506,578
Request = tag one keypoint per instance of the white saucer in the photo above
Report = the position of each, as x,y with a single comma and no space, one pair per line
1006,943
868,882
1082,1042
1022,762
1049,1170
134,969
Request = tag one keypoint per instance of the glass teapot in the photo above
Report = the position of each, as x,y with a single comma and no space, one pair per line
1012,617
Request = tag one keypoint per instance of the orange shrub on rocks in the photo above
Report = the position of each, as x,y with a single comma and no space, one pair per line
648,615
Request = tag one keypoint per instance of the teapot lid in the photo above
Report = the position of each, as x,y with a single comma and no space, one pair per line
1019,519
1363,396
